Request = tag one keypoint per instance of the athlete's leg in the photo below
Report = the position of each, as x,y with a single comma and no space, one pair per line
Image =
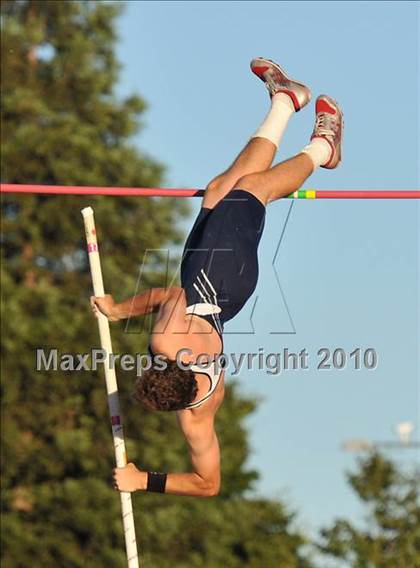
257,156
324,150
287,96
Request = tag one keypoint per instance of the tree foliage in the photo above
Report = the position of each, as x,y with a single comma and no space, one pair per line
63,124
391,537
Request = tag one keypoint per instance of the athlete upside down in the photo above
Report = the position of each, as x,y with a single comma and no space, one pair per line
219,272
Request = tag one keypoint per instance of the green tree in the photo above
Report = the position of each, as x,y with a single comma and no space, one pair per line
391,537
62,124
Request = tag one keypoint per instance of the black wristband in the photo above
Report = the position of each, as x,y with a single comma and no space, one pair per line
156,481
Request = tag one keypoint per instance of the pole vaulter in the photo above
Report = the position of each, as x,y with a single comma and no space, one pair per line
218,275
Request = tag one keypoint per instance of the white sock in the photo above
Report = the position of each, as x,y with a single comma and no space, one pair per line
275,122
319,151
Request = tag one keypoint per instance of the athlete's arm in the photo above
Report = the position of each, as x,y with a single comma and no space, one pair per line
203,447
146,303
203,481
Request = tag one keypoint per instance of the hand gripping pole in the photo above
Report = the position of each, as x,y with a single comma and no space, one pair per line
111,387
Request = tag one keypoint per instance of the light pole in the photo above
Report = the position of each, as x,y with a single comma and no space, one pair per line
404,442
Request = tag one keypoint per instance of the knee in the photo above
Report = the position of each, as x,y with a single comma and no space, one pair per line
249,182
216,184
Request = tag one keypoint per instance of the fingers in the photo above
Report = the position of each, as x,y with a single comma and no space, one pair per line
94,306
118,477
115,479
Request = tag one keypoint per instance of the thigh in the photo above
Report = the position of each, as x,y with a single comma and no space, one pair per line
217,189
256,184
260,193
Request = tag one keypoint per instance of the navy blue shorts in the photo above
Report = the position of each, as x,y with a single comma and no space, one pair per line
220,263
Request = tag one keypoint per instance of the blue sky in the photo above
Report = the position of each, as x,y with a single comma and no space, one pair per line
348,269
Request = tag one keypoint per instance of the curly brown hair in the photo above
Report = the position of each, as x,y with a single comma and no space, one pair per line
168,389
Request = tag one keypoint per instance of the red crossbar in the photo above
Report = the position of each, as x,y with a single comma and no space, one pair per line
94,190
374,194
170,192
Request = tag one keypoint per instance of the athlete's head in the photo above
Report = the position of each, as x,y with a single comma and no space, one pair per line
169,389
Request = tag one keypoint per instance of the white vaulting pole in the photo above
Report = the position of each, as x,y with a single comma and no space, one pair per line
111,387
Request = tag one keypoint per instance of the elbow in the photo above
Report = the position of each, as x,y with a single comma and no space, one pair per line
214,491
210,489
